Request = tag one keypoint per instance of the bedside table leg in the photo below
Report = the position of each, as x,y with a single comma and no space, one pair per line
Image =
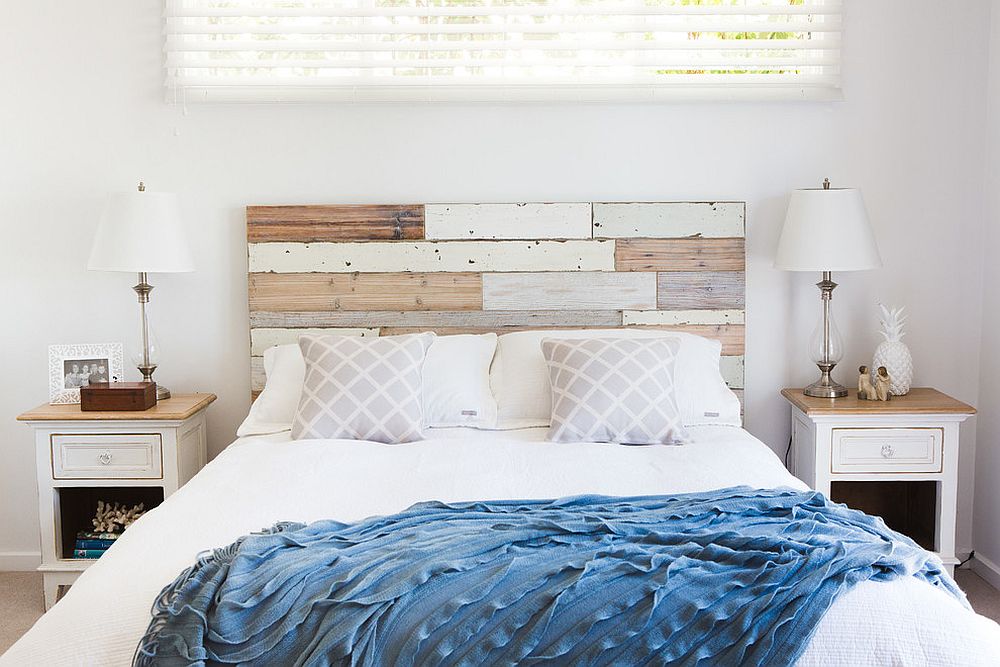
52,582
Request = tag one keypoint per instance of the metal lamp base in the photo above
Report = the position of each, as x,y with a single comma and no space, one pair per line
162,392
825,386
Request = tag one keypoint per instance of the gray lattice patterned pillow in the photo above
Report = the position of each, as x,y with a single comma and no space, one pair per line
614,390
362,388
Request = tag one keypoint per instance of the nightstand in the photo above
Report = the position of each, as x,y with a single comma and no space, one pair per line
127,457
897,459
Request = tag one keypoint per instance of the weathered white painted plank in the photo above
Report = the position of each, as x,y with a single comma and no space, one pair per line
568,291
668,220
683,317
507,221
732,371
261,339
497,319
450,256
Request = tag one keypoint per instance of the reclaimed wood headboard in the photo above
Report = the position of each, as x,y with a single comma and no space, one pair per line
374,270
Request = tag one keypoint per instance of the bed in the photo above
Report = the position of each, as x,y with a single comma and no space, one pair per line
258,481
383,270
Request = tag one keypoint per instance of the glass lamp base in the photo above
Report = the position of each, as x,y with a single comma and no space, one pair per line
825,386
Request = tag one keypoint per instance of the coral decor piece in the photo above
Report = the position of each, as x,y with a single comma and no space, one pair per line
114,518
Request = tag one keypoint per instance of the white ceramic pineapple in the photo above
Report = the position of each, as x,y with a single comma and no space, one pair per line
892,352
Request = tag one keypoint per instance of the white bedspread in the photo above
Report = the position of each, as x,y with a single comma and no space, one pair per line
259,481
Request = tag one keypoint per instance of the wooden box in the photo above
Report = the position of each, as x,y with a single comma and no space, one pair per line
118,396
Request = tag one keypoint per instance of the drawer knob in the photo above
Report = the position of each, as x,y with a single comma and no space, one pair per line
104,458
887,451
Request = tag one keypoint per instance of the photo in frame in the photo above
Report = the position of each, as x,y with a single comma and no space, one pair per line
75,366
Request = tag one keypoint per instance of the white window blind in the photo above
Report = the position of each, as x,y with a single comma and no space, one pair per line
413,50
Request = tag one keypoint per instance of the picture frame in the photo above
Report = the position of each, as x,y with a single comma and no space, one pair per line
75,366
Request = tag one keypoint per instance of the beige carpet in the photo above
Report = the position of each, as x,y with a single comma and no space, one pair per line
21,601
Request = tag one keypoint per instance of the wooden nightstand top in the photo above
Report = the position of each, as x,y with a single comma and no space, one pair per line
176,408
919,401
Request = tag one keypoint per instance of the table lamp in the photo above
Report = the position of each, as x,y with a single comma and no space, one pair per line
141,232
827,229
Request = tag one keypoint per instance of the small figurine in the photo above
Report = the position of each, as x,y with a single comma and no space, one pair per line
866,390
882,382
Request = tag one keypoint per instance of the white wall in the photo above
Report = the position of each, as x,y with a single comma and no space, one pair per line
987,506
82,114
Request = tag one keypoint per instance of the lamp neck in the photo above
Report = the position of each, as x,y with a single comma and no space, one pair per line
826,286
143,288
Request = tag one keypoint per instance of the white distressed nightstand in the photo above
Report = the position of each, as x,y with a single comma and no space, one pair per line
897,459
83,457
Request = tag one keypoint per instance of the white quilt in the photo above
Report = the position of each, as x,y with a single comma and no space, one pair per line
258,481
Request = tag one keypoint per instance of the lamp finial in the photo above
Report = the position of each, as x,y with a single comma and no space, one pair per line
142,186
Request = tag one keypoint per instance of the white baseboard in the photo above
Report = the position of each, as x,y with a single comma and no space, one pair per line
19,561
987,569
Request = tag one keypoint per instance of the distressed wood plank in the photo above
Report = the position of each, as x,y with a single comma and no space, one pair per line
508,221
262,339
257,375
568,291
732,336
494,320
669,219
739,395
275,292
675,317
679,255
433,256
338,222
701,289
732,369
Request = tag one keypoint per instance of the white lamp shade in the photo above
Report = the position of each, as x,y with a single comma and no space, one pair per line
827,230
141,232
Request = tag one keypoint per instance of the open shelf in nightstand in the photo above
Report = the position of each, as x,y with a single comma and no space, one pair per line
78,504
908,507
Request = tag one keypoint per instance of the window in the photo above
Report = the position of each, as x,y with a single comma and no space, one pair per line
436,50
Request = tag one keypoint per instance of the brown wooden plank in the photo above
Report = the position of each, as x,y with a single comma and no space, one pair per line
701,290
423,320
697,254
337,222
732,336
277,292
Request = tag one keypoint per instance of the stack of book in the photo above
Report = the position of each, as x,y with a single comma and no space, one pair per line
93,545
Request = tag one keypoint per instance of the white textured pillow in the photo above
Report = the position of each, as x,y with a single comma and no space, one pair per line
614,390
457,382
520,378
362,388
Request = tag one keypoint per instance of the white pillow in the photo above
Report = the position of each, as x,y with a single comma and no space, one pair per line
456,384
274,408
520,377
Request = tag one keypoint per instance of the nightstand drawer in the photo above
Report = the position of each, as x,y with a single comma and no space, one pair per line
107,456
887,450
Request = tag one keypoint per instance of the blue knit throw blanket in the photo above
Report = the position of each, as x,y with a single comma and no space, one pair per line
734,576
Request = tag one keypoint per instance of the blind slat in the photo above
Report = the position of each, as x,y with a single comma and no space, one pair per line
832,9
597,26
504,49
831,43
